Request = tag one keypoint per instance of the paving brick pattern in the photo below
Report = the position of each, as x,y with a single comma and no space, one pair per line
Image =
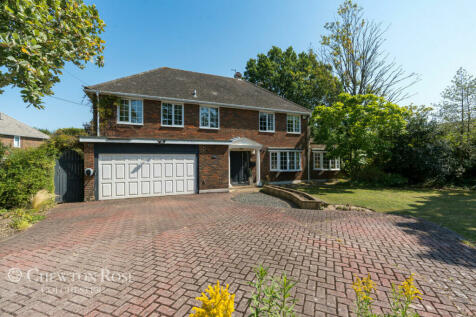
159,254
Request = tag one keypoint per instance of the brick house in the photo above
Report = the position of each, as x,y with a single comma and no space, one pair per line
16,134
181,132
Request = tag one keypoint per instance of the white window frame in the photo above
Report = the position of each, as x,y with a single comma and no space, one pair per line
17,139
174,104
209,125
321,162
278,163
130,112
295,131
267,119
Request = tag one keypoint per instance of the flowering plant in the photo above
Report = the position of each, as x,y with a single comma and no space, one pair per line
219,302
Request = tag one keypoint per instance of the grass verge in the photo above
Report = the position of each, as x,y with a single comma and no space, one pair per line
452,208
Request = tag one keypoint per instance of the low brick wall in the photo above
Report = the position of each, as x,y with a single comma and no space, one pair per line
303,200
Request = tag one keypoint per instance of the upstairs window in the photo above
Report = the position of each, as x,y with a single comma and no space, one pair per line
266,122
209,117
130,112
285,161
16,141
293,123
322,162
172,115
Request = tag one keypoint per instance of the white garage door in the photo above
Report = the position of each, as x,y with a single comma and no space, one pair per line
142,175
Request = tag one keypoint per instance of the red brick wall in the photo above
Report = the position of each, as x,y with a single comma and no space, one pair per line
24,141
89,163
233,123
213,167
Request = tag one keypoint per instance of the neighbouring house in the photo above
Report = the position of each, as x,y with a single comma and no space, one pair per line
17,134
180,132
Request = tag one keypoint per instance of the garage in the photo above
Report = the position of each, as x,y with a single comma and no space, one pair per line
142,175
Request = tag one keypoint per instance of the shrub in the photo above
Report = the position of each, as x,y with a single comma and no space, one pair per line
272,296
219,302
375,176
25,172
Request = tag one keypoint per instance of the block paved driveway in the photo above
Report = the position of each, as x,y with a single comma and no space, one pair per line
153,256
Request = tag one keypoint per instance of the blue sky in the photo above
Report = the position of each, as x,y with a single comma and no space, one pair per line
430,37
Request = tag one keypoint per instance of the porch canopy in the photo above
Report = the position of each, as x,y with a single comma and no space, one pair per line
247,144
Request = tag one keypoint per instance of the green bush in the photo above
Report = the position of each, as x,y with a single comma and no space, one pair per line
375,176
23,173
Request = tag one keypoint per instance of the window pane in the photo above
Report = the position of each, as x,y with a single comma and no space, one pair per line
283,164
270,122
136,111
317,160
338,164
213,117
178,114
262,121
274,160
325,163
292,160
332,164
167,114
204,117
297,124
298,161
124,111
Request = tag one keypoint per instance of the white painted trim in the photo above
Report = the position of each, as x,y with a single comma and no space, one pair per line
173,114
274,122
130,112
150,141
219,190
227,105
200,118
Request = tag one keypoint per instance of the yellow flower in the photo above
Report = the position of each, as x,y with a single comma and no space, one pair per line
409,290
220,302
363,288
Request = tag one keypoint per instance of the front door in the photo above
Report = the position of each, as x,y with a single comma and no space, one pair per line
239,167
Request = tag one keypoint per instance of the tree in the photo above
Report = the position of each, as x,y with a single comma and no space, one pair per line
458,102
422,153
354,48
37,38
359,129
298,77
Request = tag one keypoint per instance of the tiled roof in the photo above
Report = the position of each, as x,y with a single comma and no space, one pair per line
185,85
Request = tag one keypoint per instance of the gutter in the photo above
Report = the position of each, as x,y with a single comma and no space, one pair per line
89,139
194,101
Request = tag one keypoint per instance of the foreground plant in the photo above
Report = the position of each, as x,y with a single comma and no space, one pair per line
403,296
272,296
219,302
363,289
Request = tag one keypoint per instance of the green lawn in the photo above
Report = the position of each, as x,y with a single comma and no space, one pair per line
454,209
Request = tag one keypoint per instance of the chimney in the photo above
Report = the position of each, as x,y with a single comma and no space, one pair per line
238,75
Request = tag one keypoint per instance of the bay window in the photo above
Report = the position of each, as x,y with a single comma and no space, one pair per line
285,161
322,162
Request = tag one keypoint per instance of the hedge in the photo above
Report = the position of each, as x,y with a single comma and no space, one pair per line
23,172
